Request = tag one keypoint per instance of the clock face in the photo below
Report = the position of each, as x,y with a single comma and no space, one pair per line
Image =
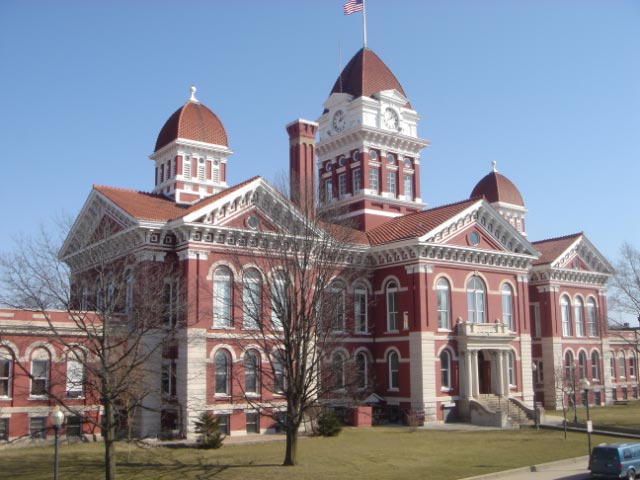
339,121
391,120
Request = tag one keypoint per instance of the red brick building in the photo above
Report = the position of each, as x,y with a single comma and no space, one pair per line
460,308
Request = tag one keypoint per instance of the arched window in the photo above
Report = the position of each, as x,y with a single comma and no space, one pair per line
612,365
595,365
578,318
251,369
392,307
569,365
622,367
251,300
75,375
565,314
445,370
278,372
475,300
632,365
582,364
279,303
223,373
84,297
591,317
338,371
170,302
394,371
444,304
511,367
6,372
337,306
507,306
360,309
362,367
222,298
40,363
128,293
99,296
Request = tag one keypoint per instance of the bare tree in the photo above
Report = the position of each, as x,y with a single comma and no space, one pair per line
565,387
625,291
118,310
293,305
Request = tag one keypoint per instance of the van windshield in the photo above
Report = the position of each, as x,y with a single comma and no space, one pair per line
605,454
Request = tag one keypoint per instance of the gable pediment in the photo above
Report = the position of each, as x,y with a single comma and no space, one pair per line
582,255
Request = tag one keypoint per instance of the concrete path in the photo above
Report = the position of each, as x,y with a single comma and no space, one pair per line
570,469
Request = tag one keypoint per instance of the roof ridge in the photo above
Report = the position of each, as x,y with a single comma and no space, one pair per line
122,189
555,239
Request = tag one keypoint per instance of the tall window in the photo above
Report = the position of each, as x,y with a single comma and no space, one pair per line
84,298
391,183
186,166
595,366
279,304
569,365
6,364
99,296
338,370
128,294
534,311
38,427
578,318
342,184
632,365
168,379
39,372
445,369
394,371
443,302
362,370
565,315
251,300
337,306
591,317
357,180
582,364
511,367
374,180
612,366
507,306
408,186
75,375
328,190
251,370
475,300
360,308
278,372
622,367
170,313
223,367
201,169
392,307
222,298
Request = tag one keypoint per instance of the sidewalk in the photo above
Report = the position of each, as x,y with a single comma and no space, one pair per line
569,469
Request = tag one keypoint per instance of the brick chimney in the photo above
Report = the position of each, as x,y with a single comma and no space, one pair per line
302,173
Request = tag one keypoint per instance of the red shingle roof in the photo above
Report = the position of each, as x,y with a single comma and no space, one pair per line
552,248
156,207
366,74
193,121
415,224
497,188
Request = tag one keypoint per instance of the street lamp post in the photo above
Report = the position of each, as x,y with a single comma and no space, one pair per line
585,386
57,417
575,402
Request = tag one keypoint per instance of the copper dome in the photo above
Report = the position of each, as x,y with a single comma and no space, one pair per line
497,188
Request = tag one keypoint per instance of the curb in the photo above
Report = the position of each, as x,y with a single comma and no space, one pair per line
532,468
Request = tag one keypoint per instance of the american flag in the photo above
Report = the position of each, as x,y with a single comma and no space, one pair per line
353,6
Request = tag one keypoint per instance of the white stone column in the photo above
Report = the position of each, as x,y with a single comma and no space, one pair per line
500,359
465,375
475,391
505,373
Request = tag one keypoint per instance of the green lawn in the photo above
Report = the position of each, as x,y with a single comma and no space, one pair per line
626,416
378,453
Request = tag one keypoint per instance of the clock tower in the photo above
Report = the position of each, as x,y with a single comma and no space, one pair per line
369,149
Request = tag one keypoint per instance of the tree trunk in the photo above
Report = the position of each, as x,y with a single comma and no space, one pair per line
291,455
109,443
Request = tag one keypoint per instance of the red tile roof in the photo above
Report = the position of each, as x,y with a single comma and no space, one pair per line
415,224
193,121
552,248
156,207
366,74
497,188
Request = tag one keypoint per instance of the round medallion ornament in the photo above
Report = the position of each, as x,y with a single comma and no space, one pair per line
474,239
253,222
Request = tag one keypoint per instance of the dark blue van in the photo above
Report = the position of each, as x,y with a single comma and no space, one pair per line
615,460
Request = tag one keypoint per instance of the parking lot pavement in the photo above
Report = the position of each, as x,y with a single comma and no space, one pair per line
570,469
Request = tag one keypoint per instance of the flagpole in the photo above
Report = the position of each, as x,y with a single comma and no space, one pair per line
364,23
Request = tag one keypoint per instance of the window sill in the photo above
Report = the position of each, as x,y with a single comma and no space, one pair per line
362,333
393,389
391,331
444,330
38,397
252,395
222,327
446,389
222,396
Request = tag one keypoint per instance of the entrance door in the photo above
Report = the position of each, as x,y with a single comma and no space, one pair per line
484,373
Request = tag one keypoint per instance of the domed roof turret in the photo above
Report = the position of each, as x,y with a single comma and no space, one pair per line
366,74
495,187
193,121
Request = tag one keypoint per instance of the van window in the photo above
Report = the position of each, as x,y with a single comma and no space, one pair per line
626,453
605,454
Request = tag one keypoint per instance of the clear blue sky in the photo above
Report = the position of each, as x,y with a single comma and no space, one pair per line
549,89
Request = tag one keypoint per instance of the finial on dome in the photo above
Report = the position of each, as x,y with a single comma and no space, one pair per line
193,94
493,166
